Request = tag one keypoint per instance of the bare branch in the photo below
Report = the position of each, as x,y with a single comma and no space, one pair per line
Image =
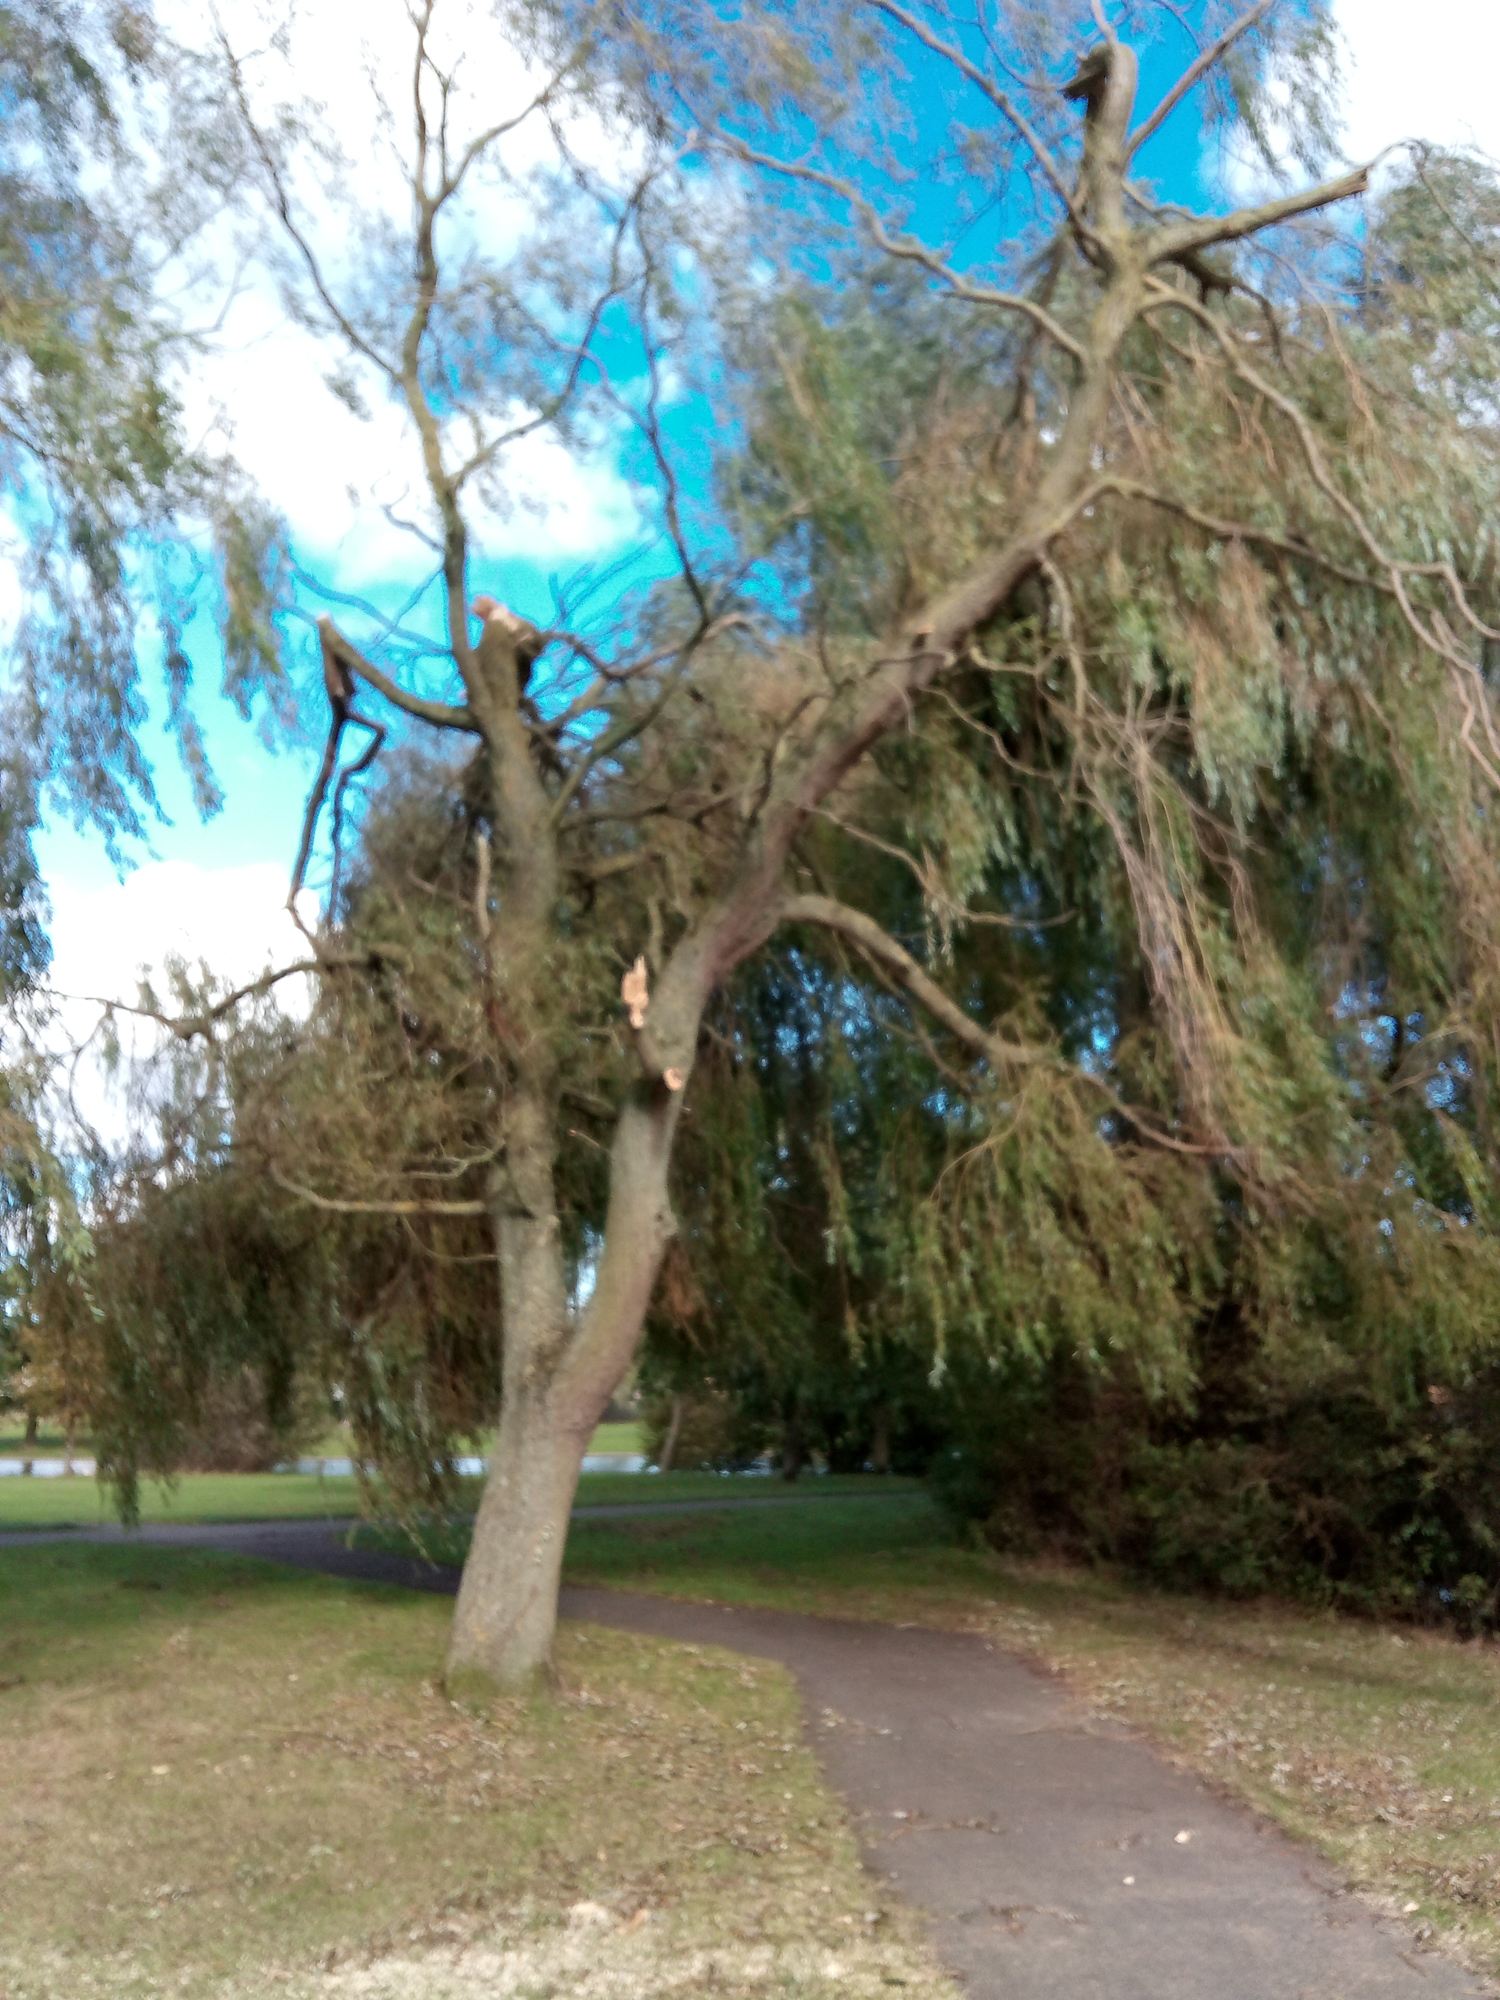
482,887
282,202
908,248
1002,103
930,888
581,353
1224,530
1194,74
441,714
334,1206
622,730
186,1026
1201,232
892,958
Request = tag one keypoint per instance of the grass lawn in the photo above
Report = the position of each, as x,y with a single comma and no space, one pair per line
619,1437
336,1442
48,1443
229,1779
285,1496
81,1502
609,1489
1379,1744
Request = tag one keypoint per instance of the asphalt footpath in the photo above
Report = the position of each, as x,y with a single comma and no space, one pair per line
1056,1855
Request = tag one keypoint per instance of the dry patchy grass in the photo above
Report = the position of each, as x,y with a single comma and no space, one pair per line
225,1779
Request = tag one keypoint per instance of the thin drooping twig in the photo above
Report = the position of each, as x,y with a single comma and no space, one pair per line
929,887
1195,73
347,777
1433,632
186,1026
908,248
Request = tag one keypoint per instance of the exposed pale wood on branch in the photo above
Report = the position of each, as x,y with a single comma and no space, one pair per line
334,1206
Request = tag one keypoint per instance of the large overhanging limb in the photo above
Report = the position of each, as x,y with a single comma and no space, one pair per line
441,714
1170,244
934,638
878,944
1001,1055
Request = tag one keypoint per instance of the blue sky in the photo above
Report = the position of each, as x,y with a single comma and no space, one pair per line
214,887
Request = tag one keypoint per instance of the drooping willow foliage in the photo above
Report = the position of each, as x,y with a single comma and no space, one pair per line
1200,815
1192,836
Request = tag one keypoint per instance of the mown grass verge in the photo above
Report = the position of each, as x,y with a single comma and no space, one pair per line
335,1442
229,1779
81,1502
1379,1744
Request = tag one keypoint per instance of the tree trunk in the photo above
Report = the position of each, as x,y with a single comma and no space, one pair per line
791,1445
559,1373
31,1425
507,1602
674,1431
880,1441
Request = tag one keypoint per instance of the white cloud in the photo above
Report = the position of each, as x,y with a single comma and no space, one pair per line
332,474
106,936
233,918
263,380
1420,74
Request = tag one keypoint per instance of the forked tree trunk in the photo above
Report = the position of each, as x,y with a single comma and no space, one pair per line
507,1601
559,1373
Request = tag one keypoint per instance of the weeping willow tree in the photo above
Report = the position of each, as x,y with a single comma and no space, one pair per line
108,170
1082,651
111,165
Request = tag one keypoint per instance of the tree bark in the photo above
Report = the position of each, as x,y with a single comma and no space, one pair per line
880,1441
558,1375
674,1431
791,1445
506,1616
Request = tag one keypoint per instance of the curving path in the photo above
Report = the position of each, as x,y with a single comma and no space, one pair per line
1042,1843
